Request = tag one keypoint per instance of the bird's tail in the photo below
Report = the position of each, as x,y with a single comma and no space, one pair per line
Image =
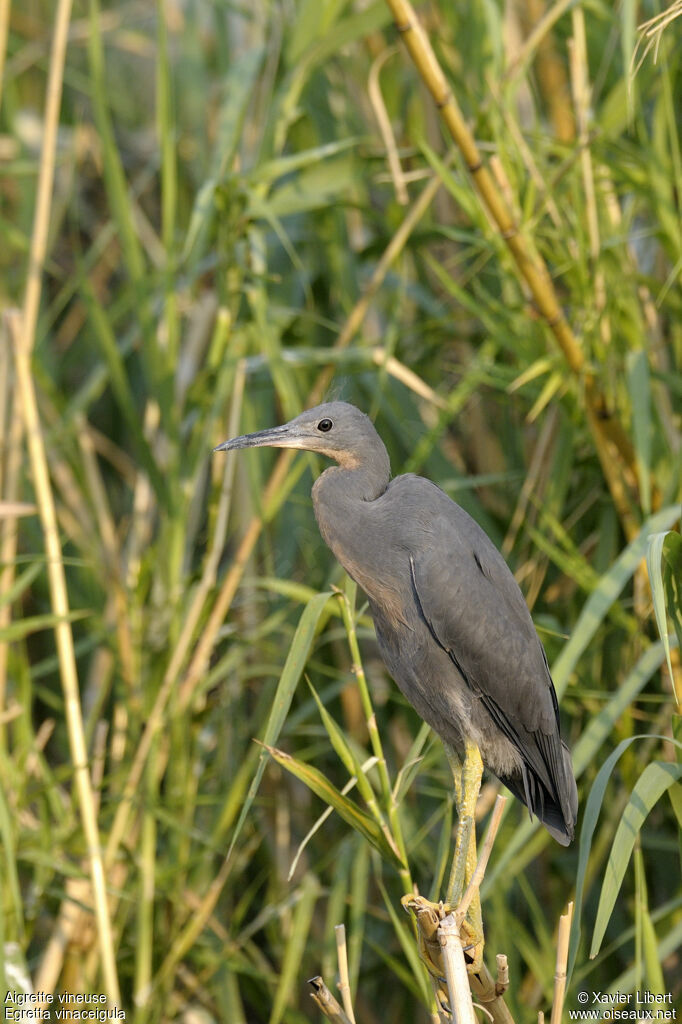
557,809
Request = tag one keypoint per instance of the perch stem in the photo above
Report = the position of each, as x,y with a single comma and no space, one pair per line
459,993
326,1001
561,962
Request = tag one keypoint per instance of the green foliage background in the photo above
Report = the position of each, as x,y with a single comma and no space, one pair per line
222,198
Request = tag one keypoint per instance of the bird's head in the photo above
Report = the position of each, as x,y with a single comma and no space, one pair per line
336,429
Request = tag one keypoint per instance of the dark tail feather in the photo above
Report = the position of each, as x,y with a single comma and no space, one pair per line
557,810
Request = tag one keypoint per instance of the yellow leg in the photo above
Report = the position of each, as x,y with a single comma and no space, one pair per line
467,780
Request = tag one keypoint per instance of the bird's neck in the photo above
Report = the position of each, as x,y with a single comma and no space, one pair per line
353,521
351,482
342,499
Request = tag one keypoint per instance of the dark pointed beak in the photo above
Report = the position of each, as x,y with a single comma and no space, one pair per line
274,437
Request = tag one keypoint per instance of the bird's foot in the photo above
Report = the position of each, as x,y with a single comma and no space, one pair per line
471,936
428,916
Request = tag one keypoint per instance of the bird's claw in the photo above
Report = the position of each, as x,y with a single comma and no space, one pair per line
472,944
428,916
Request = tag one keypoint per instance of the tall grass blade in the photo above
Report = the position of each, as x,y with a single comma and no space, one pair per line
650,786
601,725
646,940
409,948
351,762
21,628
12,912
120,383
672,580
291,673
347,809
639,384
606,592
289,974
654,555
114,175
590,817
236,93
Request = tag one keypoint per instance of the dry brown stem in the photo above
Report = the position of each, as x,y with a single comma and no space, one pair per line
326,1001
502,983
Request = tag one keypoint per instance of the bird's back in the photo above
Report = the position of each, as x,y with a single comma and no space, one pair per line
471,658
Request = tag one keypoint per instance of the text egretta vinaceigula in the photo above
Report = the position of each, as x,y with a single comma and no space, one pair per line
451,622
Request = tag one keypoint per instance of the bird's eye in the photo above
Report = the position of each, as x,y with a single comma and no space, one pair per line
324,425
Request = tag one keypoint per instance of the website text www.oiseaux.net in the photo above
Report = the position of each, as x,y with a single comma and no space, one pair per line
624,1006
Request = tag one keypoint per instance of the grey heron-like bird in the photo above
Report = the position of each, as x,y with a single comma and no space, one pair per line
451,622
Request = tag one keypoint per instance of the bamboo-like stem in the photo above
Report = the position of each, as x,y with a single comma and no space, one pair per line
5,6
344,979
531,266
41,223
327,1003
208,576
502,983
561,962
66,655
461,1005
41,218
583,100
533,269
11,429
73,917
69,921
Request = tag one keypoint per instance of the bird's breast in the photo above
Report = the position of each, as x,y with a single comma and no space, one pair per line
362,541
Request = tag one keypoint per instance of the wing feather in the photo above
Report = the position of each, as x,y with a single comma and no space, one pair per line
477,614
